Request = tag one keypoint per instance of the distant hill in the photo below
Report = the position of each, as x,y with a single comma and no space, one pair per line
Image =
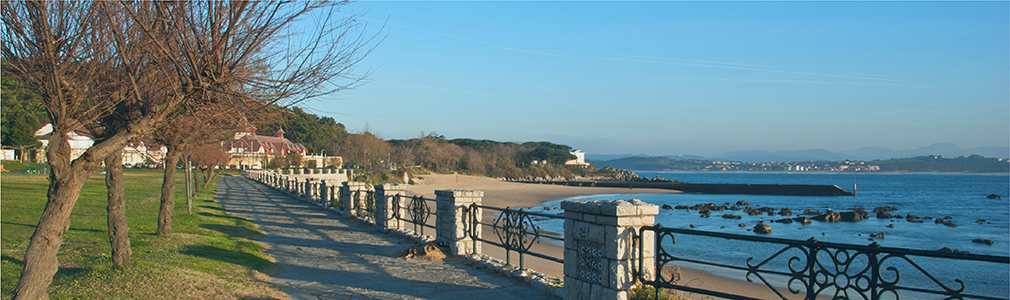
653,163
605,157
783,156
974,163
863,154
931,163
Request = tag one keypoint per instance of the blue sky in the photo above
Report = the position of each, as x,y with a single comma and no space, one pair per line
677,78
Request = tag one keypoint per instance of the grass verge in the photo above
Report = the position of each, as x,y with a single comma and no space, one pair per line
208,256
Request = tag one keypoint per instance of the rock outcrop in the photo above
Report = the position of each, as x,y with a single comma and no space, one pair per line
829,217
762,228
982,241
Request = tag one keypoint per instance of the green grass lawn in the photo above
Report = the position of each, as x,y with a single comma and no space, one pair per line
209,254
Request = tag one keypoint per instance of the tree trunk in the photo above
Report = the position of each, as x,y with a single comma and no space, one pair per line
208,177
168,193
189,186
196,179
119,237
65,183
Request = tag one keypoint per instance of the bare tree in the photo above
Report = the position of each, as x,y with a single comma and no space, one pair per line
144,61
207,157
184,131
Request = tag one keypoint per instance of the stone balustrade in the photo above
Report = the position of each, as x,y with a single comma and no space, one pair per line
600,247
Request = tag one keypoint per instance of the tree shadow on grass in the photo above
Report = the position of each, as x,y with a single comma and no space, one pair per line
232,230
211,207
222,216
36,225
228,256
12,260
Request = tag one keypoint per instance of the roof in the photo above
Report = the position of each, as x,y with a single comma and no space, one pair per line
46,131
270,144
245,126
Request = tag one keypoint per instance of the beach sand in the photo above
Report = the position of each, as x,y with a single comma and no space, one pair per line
523,195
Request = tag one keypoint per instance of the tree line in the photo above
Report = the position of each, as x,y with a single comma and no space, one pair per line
388,161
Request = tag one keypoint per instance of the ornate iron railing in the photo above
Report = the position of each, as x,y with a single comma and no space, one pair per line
364,207
814,268
417,209
370,204
516,231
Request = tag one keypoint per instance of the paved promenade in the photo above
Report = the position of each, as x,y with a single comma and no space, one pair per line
326,256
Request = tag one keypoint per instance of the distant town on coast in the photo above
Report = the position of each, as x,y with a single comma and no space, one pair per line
926,163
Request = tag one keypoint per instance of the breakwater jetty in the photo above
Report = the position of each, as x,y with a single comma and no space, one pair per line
717,188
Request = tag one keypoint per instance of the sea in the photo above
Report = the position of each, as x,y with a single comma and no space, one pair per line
961,197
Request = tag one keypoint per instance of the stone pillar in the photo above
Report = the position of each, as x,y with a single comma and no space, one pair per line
314,191
324,193
601,255
352,203
384,208
451,208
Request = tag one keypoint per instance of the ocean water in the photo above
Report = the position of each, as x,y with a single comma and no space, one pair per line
962,197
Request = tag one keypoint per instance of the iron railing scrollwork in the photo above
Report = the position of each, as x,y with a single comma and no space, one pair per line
364,207
395,205
418,210
338,199
515,229
370,204
419,213
814,268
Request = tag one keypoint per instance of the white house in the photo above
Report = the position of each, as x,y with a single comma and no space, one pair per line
145,150
580,159
80,139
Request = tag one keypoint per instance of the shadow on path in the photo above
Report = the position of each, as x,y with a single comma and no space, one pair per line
325,256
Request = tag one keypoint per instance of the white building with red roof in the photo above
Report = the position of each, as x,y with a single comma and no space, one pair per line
79,138
135,153
251,151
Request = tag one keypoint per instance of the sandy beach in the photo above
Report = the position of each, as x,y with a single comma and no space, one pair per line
521,195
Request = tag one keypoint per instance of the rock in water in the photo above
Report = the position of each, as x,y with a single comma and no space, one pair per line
802,220
731,216
982,241
828,217
884,209
762,228
667,206
856,215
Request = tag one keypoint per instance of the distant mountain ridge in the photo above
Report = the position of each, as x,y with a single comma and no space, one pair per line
861,154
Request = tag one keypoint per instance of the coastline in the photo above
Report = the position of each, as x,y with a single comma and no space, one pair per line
823,172
510,194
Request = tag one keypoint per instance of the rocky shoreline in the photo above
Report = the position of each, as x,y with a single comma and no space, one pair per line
705,210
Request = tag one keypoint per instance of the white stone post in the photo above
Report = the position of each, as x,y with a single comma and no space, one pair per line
451,208
352,203
384,208
601,255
